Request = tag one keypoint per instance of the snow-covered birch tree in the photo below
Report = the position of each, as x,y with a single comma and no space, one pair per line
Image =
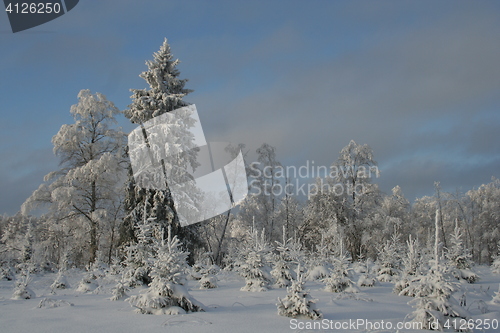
84,195
353,189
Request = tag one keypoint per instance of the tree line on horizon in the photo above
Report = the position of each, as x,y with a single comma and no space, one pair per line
91,208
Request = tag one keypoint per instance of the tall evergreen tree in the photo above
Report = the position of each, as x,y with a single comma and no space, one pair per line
165,94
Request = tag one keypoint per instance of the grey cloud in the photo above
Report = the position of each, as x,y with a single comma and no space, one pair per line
383,74
417,175
385,95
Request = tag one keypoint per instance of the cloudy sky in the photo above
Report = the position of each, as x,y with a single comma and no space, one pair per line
418,81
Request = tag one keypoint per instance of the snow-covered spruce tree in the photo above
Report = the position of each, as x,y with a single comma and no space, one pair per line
297,255
166,293
411,263
298,303
165,94
389,259
281,272
282,262
459,258
85,194
339,279
139,254
434,303
21,289
255,268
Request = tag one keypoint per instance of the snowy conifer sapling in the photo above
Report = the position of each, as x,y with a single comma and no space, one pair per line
255,268
205,273
459,258
389,260
298,303
434,302
88,283
166,293
412,263
60,282
21,289
281,271
339,279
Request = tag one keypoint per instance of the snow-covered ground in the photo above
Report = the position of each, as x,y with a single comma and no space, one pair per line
227,308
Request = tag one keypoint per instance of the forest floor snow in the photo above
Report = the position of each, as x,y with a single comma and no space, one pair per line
227,309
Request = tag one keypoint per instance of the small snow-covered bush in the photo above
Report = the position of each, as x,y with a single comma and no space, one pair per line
367,280
59,283
205,273
431,312
496,297
52,303
468,275
21,289
496,265
119,292
165,298
88,283
208,282
318,272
